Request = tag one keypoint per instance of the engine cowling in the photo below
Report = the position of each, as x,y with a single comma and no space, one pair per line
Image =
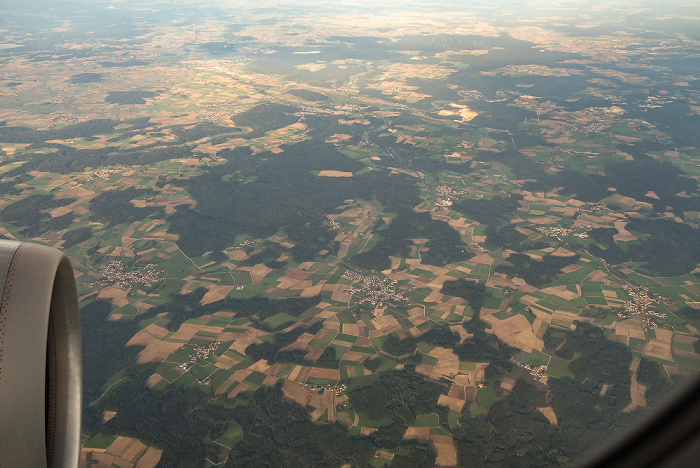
40,358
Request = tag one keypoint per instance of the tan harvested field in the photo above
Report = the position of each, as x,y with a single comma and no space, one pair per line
422,434
150,459
465,378
636,330
664,336
188,330
385,324
295,392
274,369
242,343
116,295
259,366
215,293
570,268
560,291
507,384
452,403
328,173
237,254
515,331
301,343
635,363
225,362
270,381
562,252
460,223
457,392
439,281
119,445
153,380
444,354
539,327
445,449
321,373
684,339
258,272
447,364
564,316
424,369
313,290
107,415
134,452
147,335
659,349
500,282
351,329
480,374
622,233
548,413
631,328
434,296
340,295
104,460
356,356
627,201
303,375
484,259
157,351
637,394
291,278
240,388
463,335
363,340
323,402
302,285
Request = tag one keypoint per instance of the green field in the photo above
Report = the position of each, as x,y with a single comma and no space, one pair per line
427,420
486,397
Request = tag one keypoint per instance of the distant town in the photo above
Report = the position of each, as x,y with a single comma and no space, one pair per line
115,273
377,291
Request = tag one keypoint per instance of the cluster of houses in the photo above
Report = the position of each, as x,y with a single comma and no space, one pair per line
641,303
536,371
105,173
336,389
313,110
115,273
227,67
377,291
214,116
648,323
64,119
595,127
200,352
557,231
598,206
446,195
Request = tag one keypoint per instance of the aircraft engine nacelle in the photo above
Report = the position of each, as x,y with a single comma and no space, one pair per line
40,358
